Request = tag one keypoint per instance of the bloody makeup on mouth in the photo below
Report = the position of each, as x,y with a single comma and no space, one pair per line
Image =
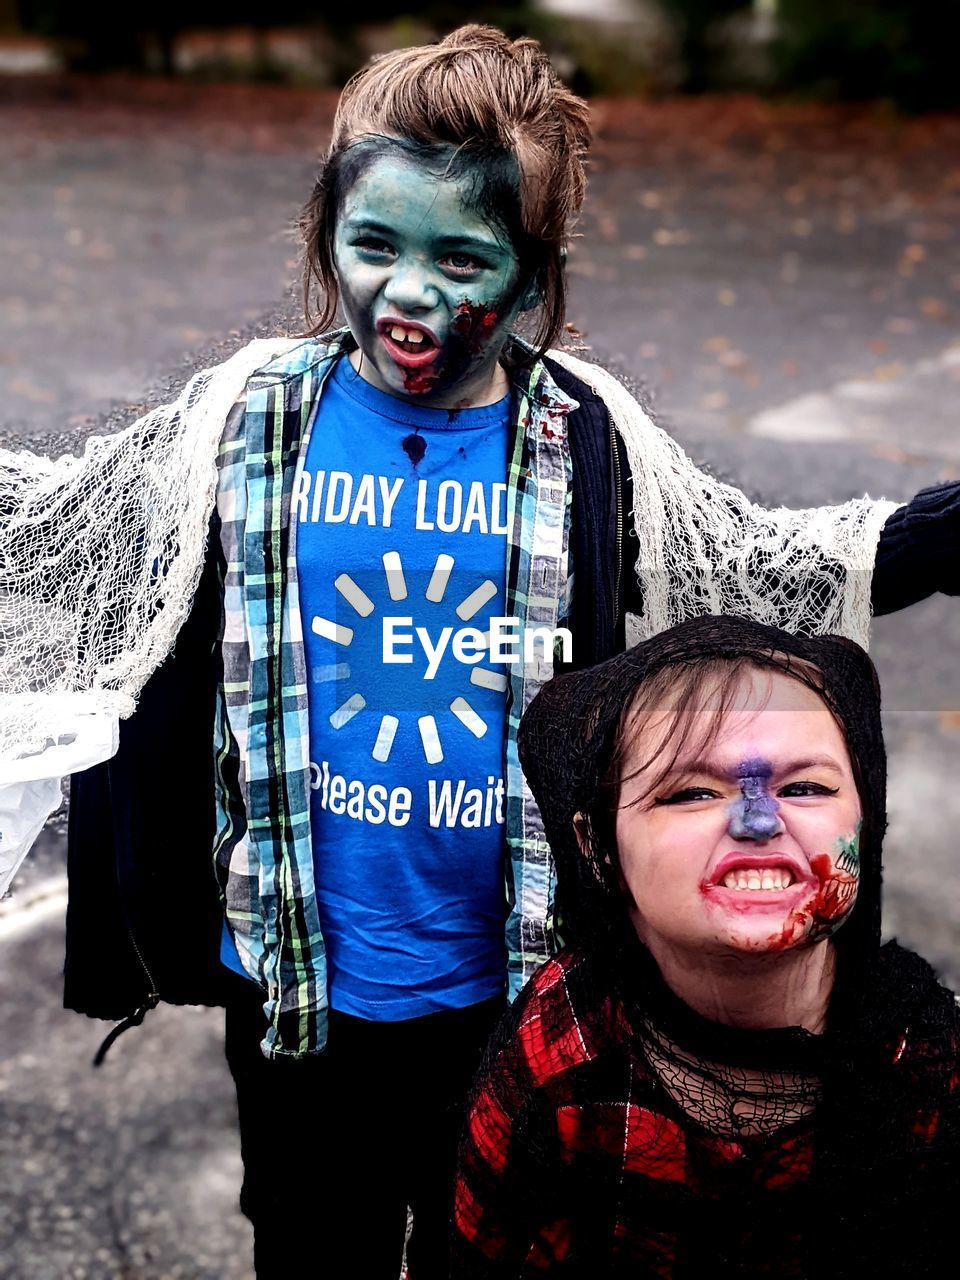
427,250
748,842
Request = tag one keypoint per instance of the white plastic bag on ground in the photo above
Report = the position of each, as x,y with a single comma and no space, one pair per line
30,784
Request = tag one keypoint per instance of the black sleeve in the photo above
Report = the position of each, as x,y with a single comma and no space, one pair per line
919,550
144,909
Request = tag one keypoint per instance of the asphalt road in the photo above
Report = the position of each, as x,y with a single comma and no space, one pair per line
790,306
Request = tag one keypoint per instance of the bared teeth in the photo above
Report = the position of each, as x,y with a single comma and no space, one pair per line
772,879
402,335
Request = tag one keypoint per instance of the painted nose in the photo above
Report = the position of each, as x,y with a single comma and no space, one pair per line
409,289
755,820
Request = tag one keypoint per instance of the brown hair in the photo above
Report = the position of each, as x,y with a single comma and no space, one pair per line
490,98
688,703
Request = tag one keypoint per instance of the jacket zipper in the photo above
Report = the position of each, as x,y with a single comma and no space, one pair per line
619,504
153,996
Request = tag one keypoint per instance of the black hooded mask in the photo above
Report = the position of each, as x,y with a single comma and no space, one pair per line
568,734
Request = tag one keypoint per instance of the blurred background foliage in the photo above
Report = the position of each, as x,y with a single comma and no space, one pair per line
905,50
899,50
145,37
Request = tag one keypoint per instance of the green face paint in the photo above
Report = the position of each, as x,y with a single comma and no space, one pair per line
847,850
429,286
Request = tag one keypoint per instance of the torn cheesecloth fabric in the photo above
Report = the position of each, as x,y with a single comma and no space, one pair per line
614,1131
100,554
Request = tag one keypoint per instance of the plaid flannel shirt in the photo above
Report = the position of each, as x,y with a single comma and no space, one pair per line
577,1161
263,845
574,1162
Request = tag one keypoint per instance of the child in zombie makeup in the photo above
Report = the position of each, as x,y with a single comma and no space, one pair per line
381,882
726,1075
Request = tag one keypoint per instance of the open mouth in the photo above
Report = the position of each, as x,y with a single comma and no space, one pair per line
412,346
746,879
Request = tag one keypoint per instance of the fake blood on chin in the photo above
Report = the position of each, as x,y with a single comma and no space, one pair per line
418,383
824,900
415,363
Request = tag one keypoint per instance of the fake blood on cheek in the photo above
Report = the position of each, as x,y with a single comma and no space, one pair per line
473,324
835,894
837,890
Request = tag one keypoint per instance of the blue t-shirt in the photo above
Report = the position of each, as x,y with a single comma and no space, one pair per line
401,556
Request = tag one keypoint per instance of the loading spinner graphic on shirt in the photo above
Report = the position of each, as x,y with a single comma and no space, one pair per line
343,635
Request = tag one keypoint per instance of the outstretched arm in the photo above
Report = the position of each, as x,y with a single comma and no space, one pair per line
100,554
918,553
919,550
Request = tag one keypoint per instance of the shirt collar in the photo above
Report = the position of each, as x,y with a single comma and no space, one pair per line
534,379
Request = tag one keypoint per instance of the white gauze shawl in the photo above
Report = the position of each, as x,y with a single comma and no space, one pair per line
100,556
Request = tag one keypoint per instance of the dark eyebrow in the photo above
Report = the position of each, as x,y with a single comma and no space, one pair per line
470,242
369,224
812,762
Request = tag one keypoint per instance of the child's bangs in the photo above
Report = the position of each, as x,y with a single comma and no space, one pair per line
677,714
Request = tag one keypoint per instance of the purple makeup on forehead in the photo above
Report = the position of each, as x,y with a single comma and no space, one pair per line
755,815
755,769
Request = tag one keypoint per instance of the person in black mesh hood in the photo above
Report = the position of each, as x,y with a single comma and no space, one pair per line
724,1073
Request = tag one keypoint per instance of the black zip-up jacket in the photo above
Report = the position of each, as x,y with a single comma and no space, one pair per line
141,825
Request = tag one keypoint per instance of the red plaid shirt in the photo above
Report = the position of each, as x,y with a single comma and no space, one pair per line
575,1161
